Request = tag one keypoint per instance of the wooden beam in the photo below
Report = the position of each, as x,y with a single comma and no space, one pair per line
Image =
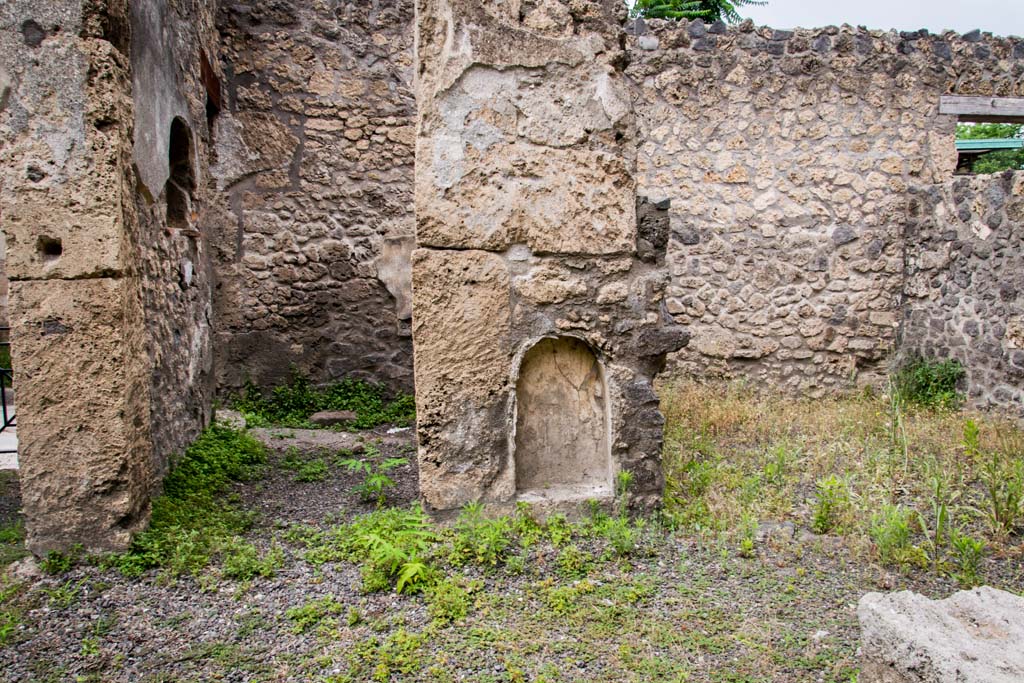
987,109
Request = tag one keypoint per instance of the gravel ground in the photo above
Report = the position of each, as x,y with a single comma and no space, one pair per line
683,608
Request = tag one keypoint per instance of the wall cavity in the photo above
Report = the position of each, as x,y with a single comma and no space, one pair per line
561,436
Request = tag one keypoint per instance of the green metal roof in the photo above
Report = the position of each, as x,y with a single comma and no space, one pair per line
986,144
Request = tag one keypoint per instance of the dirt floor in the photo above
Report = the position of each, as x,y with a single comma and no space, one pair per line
683,605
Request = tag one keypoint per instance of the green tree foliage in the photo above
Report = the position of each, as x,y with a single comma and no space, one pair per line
987,131
999,160
708,10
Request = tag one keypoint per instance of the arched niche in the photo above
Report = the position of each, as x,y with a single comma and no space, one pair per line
562,436
181,182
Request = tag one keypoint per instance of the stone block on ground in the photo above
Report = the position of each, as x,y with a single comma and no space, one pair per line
975,635
231,419
329,418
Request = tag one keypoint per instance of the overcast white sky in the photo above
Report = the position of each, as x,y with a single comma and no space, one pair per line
1002,17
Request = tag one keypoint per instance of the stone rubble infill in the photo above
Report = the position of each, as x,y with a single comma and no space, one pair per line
972,636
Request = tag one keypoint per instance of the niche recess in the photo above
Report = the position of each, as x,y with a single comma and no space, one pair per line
562,437
181,181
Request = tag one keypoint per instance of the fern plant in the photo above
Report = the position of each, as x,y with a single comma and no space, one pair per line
376,482
394,545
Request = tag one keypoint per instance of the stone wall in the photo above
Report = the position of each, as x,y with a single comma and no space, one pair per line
965,283
315,157
789,158
178,211
108,342
538,283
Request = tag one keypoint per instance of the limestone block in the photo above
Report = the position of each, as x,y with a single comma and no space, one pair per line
975,635
63,192
328,418
484,33
461,334
554,200
563,111
548,285
84,444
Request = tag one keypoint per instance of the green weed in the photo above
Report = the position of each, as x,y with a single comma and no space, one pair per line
12,534
56,562
831,505
621,535
574,563
747,535
90,647
1002,480
929,383
526,526
449,600
558,530
376,482
195,519
64,595
314,613
779,465
243,562
478,539
292,459
290,405
10,611
395,658
312,471
890,531
564,600
968,552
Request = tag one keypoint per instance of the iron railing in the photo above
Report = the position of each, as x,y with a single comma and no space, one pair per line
7,416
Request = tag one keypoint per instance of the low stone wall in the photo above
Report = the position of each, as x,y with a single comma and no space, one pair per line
315,156
964,294
789,157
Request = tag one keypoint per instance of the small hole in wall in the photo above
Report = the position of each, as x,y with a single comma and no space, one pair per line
211,112
213,91
50,248
984,147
